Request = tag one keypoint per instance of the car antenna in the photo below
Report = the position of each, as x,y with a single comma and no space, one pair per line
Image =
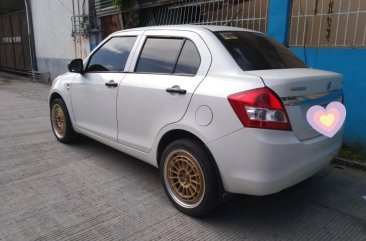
233,18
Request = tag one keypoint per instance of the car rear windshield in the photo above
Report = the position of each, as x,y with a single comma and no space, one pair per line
255,51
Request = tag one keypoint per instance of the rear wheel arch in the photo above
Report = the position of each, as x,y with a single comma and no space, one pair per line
178,134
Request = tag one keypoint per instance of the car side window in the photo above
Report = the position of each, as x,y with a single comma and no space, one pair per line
189,59
159,55
112,56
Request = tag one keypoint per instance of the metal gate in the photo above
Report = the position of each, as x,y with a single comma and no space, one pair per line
14,42
250,14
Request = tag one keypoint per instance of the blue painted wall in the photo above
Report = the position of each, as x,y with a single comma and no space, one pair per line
278,19
347,61
352,64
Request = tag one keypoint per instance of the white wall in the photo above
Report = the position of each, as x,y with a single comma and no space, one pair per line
52,25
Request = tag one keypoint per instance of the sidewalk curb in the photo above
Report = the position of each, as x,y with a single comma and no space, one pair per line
349,163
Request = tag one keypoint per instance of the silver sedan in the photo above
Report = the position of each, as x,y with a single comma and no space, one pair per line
218,109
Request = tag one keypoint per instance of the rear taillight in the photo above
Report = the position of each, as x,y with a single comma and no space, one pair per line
260,108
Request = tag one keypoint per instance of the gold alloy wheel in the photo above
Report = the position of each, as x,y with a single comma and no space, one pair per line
184,178
58,121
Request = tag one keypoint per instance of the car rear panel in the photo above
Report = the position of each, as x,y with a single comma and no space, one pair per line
261,162
300,89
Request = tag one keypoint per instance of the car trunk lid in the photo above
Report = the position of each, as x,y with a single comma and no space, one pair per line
299,89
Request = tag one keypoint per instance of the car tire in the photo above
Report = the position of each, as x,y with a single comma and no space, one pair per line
61,123
188,177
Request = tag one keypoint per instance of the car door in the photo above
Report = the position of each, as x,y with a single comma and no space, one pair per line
157,92
94,93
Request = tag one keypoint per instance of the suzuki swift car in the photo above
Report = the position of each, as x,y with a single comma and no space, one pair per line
217,109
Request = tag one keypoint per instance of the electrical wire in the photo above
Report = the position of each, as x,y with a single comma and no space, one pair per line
83,7
63,5
306,32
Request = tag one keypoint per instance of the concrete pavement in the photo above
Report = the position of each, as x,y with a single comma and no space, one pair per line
88,191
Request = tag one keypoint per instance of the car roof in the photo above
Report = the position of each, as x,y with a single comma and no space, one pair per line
189,27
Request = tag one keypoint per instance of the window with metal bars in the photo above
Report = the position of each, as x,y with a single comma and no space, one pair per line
328,23
250,14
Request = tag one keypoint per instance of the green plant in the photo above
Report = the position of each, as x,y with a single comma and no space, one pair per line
122,4
356,153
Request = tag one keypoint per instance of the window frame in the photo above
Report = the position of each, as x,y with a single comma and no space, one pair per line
176,60
99,47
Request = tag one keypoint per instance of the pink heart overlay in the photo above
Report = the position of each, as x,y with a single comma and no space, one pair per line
336,110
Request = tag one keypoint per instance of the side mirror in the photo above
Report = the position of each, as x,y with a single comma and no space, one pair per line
76,66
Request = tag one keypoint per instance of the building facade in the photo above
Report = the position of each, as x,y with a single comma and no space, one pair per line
16,43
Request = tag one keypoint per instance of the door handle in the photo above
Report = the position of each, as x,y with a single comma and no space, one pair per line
111,83
176,89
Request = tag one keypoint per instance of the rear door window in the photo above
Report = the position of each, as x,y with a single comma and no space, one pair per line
255,51
189,60
112,56
159,55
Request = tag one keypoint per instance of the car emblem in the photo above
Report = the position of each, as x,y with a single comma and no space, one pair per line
329,85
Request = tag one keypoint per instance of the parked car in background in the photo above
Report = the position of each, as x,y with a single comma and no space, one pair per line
218,109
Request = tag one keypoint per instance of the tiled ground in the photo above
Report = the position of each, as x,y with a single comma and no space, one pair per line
88,191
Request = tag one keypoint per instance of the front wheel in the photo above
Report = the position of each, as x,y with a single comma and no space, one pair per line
60,122
188,177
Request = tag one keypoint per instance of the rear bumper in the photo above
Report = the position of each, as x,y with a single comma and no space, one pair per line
261,162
